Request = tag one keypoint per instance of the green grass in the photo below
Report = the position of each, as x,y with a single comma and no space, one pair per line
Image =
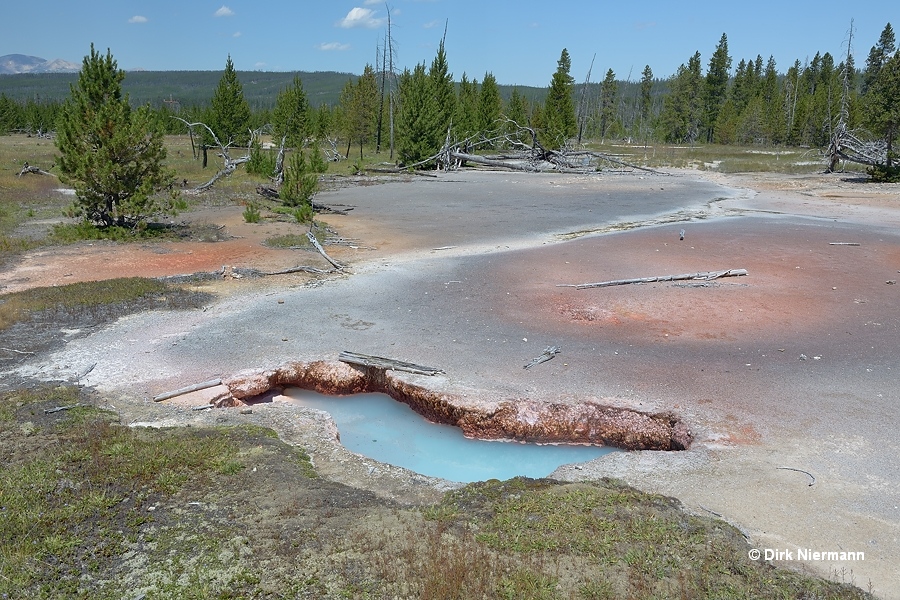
89,296
72,503
92,509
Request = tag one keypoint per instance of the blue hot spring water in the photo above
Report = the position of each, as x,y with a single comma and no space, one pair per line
377,426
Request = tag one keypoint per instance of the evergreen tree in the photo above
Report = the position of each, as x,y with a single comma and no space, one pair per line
109,153
883,104
646,100
359,105
229,111
442,95
559,110
878,55
683,108
716,85
465,122
517,113
489,104
414,121
609,97
291,117
646,93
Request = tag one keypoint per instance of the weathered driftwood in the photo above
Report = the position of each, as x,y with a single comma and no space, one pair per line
843,243
704,276
813,477
16,351
549,353
302,269
26,168
48,411
380,362
321,250
187,390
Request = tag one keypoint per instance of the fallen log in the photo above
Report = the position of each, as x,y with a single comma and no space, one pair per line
302,269
704,276
549,353
318,246
187,390
380,362
26,168
50,411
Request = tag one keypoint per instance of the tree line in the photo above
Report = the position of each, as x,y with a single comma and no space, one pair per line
752,104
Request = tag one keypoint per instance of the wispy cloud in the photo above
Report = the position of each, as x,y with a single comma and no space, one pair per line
642,25
329,46
224,12
372,2
259,65
361,17
236,34
138,19
431,24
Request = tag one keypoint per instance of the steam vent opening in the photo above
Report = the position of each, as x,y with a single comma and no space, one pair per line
586,430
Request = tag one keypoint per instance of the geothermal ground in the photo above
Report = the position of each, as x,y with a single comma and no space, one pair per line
785,377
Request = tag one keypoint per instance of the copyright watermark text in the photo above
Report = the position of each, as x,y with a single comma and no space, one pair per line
805,554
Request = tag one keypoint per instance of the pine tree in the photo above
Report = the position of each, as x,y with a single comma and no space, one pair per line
517,113
465,122
229,110
291,117
442,94
559,110
716,85
878,56
489,104
883,105
359,105
414,123
109,153
609,97
683,108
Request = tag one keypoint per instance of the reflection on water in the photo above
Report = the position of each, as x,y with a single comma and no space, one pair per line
379,427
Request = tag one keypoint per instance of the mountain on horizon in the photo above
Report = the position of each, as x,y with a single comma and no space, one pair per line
14,64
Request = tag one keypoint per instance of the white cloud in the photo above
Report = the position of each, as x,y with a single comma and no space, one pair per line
372,2
431,24
361,17
236,34
333,46
224,12
138,19
259,65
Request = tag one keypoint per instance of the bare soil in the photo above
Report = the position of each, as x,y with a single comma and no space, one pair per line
792,367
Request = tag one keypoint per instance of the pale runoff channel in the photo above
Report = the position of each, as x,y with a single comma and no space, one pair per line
377,426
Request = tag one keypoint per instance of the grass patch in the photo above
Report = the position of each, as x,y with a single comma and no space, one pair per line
93,509
89,295
84,488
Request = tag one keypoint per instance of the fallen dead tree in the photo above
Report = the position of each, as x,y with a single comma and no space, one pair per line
187,390
303,269
548,353
230,164
388,364
272,193
26,169
703,276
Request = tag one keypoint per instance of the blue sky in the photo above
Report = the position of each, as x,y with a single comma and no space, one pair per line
518,41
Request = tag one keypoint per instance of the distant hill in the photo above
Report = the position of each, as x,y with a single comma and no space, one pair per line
13,64
195,88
